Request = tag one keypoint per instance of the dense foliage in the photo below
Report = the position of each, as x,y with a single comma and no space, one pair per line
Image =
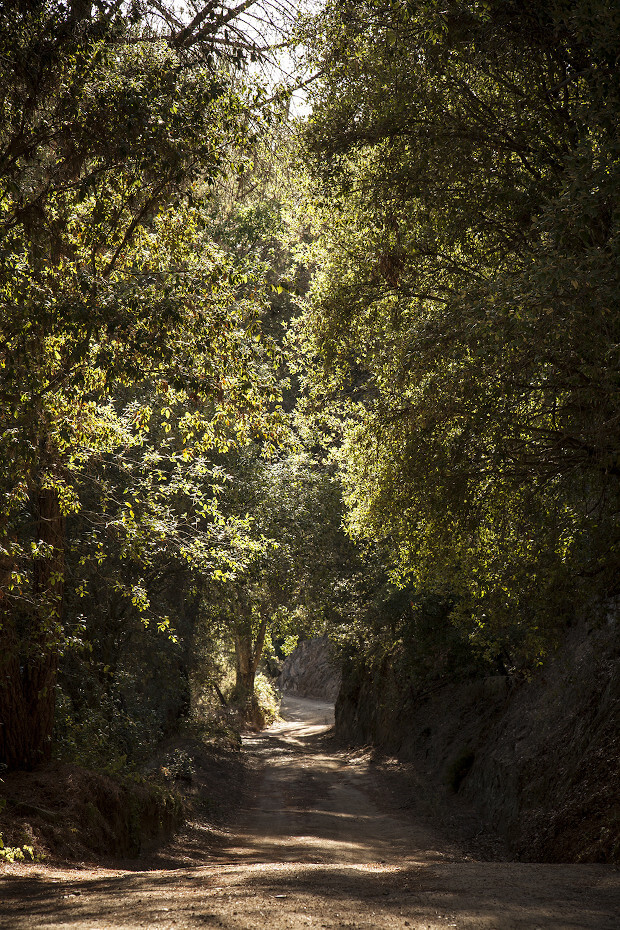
213,353
130,345
465,165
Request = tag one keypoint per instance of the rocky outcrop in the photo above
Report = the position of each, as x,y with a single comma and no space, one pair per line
311,671
539,759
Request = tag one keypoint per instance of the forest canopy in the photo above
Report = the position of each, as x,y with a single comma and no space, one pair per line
465,167
131,350
232,328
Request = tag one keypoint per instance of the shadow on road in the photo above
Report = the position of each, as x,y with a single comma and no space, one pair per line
314,847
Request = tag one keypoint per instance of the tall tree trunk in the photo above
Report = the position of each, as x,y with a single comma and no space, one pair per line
245,671
248,656
13,718
28,663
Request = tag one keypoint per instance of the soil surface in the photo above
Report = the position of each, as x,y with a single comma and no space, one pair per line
324,842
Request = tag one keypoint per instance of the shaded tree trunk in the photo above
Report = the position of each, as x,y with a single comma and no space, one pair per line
244,683
28,661
248,656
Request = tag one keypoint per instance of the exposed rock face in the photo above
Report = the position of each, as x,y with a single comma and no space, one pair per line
311,671
540,759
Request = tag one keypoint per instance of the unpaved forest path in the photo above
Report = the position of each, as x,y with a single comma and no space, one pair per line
322,845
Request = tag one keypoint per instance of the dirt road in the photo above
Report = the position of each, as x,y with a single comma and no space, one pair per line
321,845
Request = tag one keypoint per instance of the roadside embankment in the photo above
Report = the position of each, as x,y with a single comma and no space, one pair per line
311,671
64,812
539,759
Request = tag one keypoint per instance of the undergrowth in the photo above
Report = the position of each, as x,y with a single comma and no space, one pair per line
15,853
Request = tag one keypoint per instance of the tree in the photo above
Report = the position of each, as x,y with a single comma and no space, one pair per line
116,123
285,583
465,166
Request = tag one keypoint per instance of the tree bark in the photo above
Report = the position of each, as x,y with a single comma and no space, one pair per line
28,663
248,656
245,670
